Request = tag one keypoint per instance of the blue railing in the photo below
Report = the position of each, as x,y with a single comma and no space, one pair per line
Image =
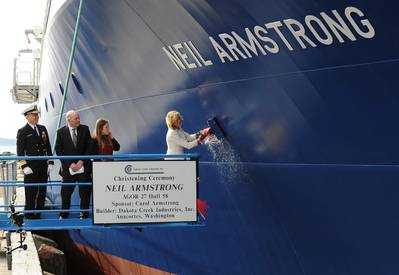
117,156
49,219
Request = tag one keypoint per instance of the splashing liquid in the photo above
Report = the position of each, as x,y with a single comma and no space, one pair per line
227,160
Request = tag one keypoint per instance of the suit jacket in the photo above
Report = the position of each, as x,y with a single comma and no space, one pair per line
64,147
29,143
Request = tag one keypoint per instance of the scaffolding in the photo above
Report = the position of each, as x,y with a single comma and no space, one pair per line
25,87
8,172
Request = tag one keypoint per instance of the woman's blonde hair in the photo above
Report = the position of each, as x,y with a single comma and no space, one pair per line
172,119
101,140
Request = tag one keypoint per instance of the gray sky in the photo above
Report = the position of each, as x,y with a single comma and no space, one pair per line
15,17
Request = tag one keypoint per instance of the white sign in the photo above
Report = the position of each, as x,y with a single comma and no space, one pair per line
144,191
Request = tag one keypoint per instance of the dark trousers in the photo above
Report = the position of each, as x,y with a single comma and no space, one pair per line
67,190
35,195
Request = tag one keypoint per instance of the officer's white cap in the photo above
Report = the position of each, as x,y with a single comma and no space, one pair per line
31,110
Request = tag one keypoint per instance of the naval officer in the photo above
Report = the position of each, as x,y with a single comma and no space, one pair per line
33,140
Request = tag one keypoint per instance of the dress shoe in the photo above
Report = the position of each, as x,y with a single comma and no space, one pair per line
63,216
83,215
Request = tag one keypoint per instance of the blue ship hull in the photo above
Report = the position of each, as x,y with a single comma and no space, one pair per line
307,181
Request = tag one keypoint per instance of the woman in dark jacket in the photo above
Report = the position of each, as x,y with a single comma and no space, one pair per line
103,141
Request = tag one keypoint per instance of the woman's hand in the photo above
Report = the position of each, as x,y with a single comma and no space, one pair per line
201,139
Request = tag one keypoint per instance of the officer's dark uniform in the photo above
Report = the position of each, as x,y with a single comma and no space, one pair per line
34,143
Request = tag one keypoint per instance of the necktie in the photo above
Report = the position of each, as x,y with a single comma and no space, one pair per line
37,133
74,137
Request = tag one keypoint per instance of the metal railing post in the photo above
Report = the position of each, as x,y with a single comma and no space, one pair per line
5,189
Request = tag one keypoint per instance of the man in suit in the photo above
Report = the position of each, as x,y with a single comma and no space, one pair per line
74,139
32,140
